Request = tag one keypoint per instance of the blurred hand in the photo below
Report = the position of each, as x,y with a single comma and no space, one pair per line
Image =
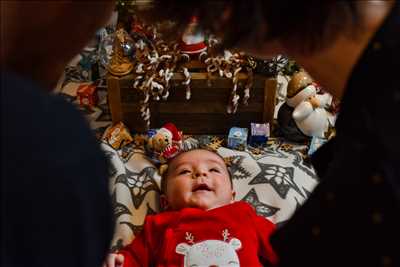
114,260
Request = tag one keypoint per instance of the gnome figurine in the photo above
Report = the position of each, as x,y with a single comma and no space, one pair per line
304,114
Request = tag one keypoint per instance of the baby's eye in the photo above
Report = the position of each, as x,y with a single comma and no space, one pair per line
183,172
214,170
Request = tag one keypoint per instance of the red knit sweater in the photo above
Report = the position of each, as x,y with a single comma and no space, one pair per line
232,235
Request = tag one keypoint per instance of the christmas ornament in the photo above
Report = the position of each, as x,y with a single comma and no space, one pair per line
120,63
128,48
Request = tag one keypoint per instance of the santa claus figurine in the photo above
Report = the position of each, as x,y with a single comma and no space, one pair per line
192,39
307,109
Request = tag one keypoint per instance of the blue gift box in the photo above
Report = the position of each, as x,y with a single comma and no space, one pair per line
237,138
259,133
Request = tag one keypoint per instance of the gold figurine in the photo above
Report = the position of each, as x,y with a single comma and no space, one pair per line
119,64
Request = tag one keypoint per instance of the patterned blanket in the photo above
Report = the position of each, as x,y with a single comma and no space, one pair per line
275,179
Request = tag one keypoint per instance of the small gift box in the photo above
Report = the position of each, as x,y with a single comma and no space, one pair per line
237,138
259,133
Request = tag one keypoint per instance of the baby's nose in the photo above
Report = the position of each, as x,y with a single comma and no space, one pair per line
200,173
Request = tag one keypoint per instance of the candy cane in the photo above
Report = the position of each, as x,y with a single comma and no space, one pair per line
248,86
186,83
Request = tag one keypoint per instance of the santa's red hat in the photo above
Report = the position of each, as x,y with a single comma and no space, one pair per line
176,136
193,38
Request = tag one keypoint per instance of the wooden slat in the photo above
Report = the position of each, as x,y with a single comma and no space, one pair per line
195,124
114,99
198,94
190,108
205,108
195,64
269,100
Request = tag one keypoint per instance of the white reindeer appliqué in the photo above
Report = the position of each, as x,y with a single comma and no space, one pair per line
210,252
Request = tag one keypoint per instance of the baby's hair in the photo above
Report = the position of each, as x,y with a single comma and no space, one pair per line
164,175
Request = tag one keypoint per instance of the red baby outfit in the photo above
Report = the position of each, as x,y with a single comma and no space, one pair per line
232,235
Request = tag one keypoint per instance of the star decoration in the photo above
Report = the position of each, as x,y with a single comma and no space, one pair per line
126,152
139,183
286,147
302,164
215,143
279,177
216,139
136,229
256,151
266,152
234,164
119,208
261,208
270,150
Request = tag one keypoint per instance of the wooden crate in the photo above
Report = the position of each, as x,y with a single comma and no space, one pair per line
204,113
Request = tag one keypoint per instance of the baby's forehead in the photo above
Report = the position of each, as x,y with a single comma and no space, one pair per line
196,156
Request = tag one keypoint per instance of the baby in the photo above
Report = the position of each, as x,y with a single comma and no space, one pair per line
202,224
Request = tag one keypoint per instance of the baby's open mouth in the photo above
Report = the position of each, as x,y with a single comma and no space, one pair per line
201,187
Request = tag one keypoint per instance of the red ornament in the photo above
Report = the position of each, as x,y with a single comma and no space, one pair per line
87,95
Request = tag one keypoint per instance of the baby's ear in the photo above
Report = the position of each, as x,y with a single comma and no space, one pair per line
233,195
164,205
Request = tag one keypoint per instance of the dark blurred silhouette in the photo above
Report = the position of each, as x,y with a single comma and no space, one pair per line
55,204
352,49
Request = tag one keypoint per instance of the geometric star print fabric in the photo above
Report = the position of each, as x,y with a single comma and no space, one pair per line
274,180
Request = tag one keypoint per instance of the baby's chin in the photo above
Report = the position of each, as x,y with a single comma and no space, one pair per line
206,205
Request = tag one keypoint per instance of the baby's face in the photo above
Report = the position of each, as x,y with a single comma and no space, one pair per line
200,179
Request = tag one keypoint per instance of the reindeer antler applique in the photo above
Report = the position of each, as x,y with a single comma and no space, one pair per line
189,237
225,234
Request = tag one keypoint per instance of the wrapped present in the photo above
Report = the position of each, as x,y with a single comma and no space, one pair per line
87,95
237,138
259,133
117,136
